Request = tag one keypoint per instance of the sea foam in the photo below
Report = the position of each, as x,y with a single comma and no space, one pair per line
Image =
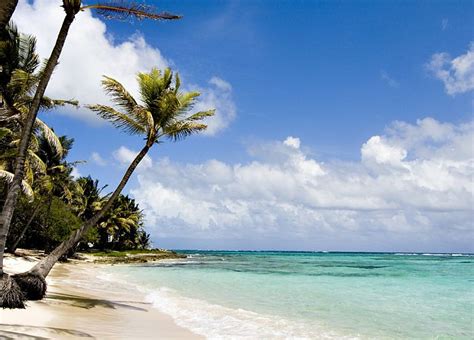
216,322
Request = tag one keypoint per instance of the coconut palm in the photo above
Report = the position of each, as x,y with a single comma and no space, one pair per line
143,240
90,200
119,226
53,181
162,113
71,8
18,80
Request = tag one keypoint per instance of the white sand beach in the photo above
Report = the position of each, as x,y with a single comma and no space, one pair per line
70,311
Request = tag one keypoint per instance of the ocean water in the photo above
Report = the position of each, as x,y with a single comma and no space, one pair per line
265,295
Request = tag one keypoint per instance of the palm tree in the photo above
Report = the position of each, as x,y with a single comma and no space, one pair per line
119,226
18,80
54,180
161,113
89,201
71,8
143,240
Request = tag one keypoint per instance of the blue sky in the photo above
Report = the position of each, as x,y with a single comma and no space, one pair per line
331,74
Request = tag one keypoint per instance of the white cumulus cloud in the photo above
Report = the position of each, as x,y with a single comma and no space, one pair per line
405,183
97,159
457,74
378,150
218,96
125,157
292,142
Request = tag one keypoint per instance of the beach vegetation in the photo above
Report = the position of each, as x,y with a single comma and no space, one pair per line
122,10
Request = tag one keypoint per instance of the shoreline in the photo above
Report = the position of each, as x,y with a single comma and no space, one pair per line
70,311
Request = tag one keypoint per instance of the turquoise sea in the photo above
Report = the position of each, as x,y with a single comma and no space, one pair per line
227,294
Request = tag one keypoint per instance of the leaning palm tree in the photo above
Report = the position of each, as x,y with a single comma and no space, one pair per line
121,10
162,113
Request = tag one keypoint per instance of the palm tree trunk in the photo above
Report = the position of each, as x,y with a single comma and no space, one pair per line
44,266
13,247
7,7
12,197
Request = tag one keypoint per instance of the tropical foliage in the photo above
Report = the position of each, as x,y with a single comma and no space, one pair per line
121,10
53,210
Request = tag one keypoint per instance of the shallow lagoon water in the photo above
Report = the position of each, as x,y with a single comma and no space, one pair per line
313,295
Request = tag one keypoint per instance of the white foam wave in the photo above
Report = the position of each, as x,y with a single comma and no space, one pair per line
219,322
433,254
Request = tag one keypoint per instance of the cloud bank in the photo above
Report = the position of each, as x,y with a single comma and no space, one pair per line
412,183
91,51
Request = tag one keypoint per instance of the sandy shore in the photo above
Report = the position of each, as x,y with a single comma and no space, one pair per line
71,311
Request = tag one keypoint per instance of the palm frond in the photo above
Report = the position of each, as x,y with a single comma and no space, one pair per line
29,173
25,187
36,163
17,51
150,87
118,119
177,83
168,108
201,115
29,59
14,143
186,100
21,86
119,94
8,153
49,103
76,163
59,168
4,132
34,143
126,10
143,116
50,136
44,184
183,129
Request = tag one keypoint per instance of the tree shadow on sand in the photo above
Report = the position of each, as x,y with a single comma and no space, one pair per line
88,303
21,332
